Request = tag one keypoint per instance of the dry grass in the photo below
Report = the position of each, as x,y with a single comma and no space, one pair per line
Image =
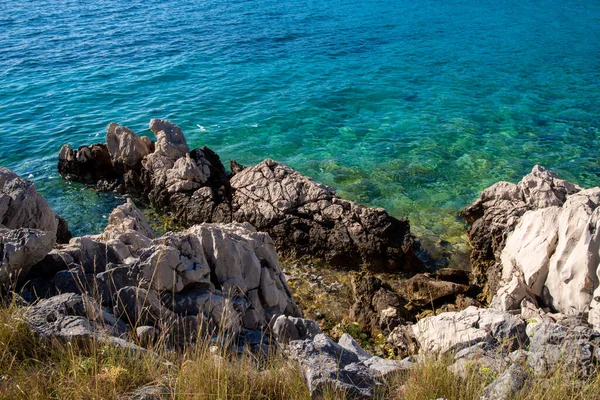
31,369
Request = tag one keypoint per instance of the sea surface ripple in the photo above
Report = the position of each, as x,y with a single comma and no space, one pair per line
412,106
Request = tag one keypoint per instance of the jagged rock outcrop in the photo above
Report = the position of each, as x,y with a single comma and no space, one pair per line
20,249
549,253
301,216
343,366
22,207
496,213
225,276
28,228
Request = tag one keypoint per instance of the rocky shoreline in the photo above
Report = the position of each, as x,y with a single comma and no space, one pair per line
529,305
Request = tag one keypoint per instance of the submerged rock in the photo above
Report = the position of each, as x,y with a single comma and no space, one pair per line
301,216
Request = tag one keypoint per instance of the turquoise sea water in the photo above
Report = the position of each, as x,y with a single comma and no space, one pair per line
413,106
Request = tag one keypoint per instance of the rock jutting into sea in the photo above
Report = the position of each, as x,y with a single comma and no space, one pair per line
536,247
301,216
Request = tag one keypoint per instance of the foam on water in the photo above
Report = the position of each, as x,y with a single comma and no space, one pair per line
413,106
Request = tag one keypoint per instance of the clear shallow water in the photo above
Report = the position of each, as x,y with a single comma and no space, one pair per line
413,106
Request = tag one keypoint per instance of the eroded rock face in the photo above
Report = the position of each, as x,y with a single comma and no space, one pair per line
22,207
226,274
552,257
20,249
496,214
549,253
28,228
303,215
300,215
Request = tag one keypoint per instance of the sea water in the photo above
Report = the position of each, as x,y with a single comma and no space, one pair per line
415,106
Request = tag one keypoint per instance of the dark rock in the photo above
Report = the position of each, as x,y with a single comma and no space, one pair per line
88,164
63,234
139,307
422,290
235,167
73,280
110,281
371,298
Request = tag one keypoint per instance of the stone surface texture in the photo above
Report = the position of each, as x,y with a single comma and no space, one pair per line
454,331
548,250
496,214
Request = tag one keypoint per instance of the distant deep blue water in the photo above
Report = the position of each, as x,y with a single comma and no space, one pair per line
415,106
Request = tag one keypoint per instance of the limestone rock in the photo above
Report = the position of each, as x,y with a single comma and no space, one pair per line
348,343
325,364
70,316
345,367
286,329
482,356
170,141
507,385
553,345
552,257
453,331
306,216
128,226
496,213
22,207
126,149
20,249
